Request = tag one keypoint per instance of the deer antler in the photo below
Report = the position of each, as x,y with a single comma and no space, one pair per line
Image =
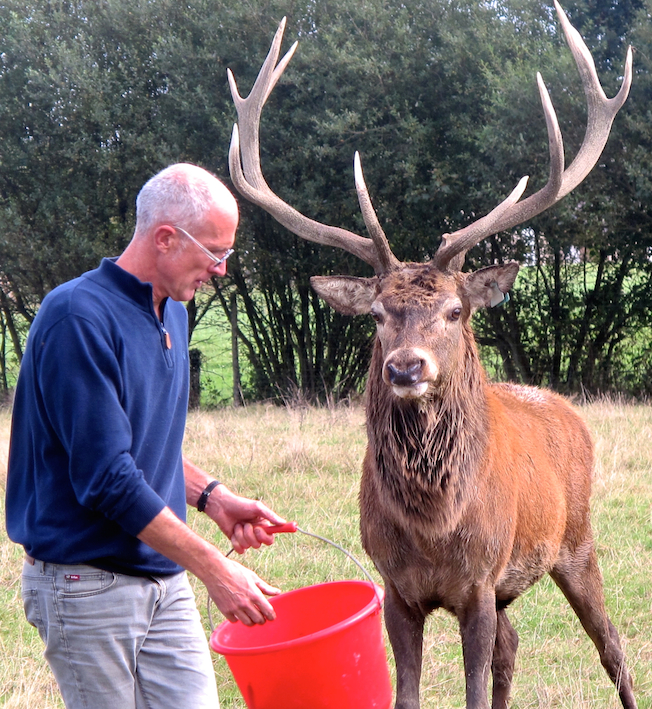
601,113
247,175
246,172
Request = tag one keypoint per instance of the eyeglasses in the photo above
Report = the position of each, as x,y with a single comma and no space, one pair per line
216,261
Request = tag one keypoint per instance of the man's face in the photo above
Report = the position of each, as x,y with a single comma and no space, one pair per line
187,267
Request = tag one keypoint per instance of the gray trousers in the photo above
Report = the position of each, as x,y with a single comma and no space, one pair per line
120,641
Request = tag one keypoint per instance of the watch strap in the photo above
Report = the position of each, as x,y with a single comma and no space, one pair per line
203,498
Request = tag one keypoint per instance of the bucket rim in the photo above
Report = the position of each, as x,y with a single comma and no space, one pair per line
371,607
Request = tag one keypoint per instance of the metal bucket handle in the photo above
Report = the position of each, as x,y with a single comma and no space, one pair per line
293,527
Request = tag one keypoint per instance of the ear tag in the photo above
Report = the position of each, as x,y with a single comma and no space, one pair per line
498,298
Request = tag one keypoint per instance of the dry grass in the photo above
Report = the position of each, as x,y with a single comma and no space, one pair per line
306,462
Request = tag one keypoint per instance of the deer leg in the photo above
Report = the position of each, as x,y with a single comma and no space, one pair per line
579,578
405,629
502,667
478,622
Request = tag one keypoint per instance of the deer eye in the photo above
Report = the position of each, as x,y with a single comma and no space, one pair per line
376,316
455,313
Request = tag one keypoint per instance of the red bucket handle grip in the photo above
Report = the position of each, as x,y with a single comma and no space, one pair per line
278,528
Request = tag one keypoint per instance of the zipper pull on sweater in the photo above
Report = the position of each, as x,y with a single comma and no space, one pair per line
168,340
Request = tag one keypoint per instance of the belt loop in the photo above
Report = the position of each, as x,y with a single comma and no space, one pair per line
40,565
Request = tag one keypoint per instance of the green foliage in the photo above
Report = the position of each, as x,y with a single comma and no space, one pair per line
440,99
579,323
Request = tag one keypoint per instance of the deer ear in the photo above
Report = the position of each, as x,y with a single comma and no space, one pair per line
488,287
346,294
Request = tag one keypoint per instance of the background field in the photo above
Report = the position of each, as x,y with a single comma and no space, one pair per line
305,463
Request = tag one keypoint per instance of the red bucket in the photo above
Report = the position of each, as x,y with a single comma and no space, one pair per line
325,650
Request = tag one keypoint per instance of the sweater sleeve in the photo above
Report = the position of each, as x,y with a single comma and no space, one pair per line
81,383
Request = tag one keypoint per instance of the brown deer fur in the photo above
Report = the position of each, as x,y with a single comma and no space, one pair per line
473,491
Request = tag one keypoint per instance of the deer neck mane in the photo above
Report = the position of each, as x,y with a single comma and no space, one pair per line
425,451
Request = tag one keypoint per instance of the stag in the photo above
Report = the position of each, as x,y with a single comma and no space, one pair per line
471,491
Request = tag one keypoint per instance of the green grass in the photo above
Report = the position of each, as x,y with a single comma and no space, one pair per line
306,464
213,338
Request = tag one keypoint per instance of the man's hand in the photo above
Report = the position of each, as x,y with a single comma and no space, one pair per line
242,520
238,592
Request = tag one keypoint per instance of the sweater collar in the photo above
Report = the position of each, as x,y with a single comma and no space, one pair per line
114,278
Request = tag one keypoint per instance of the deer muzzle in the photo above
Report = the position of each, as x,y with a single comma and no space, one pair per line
409,372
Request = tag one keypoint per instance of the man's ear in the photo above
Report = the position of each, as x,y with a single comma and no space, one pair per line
165,236
346,294
488,287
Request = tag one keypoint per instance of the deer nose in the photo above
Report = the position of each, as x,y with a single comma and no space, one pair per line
404,376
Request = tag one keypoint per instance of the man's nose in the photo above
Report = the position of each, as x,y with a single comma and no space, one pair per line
218,269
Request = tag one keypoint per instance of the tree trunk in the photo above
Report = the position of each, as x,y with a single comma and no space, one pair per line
4,385
194,397
11,326
235,361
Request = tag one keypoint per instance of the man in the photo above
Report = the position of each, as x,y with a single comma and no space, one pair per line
97,484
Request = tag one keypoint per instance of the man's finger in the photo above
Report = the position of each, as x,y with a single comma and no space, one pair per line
269,514
263,536
267,589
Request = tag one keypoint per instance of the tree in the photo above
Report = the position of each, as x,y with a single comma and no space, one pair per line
440,99
93,97
588,285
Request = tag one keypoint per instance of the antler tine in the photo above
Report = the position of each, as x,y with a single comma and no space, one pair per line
600,115
266,80
459,242
388,261
601,110
247,175
454,246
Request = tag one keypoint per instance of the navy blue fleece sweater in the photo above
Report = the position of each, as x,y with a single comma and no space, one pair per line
98,424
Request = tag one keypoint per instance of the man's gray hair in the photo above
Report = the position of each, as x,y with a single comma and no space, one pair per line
182,195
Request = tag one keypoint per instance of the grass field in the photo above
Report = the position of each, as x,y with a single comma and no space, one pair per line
305,463
213,338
